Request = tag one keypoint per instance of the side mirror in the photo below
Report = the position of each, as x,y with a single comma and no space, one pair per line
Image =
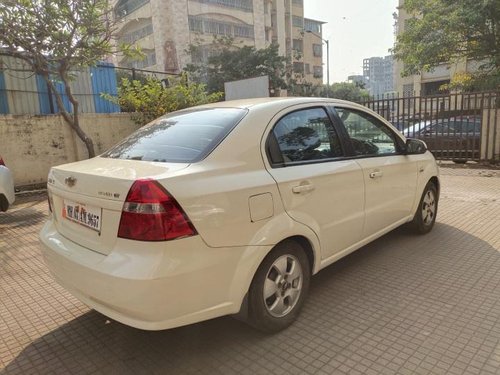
415,146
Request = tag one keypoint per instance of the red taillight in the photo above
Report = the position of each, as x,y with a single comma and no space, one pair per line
150,213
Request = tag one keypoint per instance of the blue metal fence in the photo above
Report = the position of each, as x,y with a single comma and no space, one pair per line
22,92
104,80
47,100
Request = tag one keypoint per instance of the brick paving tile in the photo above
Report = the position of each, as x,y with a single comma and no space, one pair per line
404,304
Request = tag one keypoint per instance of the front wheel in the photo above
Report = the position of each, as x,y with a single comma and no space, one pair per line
425,217
279,287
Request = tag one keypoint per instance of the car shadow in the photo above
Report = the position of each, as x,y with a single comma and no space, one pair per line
397,291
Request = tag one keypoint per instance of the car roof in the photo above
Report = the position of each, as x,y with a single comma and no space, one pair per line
277,103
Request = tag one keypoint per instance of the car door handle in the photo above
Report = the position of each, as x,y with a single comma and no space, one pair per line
376,174
303,188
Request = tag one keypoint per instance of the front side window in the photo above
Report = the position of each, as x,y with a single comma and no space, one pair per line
306,135
368,135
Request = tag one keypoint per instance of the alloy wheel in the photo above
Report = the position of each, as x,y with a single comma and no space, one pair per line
283,285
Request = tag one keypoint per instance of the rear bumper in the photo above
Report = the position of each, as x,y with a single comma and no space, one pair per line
154,286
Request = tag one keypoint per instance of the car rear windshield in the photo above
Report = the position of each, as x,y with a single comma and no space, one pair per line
181,137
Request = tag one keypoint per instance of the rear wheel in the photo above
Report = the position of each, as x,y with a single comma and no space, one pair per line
279,287
425,217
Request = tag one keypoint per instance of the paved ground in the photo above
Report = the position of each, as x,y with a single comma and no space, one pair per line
402,305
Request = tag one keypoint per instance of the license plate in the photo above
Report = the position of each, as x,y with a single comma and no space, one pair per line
83,214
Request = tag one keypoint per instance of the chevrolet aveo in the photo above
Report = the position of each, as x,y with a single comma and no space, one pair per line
229,208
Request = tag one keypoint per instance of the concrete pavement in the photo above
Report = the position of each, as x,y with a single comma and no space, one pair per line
404,304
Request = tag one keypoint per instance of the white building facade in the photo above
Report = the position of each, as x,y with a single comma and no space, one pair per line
164,30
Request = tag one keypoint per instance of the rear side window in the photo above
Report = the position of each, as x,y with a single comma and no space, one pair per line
182,137
306,135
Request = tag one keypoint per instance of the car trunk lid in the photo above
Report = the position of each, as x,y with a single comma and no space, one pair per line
87,197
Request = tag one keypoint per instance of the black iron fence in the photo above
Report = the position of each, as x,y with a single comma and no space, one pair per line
458,127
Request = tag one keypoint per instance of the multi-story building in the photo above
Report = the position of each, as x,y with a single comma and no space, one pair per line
378,73
164,30
426,83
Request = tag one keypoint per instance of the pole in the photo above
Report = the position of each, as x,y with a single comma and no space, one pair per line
327,62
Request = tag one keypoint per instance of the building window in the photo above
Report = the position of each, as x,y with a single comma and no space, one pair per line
125,7
298,45
298,21
149,60
317,50
434,88
201,54
243,31
318,72
211,26
308,68
135,35
299,3
246,5
298,67
311,25
408,90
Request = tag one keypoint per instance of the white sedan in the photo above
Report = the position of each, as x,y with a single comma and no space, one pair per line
229,208
7,196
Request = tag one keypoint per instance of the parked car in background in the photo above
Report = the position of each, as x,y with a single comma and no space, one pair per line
230,208
456,138
7,195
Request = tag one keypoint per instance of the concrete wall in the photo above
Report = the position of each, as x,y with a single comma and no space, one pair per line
30,145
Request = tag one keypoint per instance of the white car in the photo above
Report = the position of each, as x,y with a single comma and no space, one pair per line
7,196
229,208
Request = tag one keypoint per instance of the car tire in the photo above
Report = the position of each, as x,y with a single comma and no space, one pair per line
279,288
4,203
425,217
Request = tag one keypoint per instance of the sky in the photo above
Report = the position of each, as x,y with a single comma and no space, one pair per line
355,29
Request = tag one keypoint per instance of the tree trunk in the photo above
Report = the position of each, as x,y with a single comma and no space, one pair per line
71,119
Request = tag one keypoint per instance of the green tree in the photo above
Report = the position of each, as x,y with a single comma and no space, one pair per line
228,62
345,91
55,38
149,100
447,31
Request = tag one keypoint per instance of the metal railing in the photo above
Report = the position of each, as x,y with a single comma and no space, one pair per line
458,127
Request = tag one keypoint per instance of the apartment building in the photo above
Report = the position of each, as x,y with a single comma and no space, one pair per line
164,29
426,83
378,73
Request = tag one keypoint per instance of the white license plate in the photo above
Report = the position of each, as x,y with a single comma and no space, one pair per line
83,214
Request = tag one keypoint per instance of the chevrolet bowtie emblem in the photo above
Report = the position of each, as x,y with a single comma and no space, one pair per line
70,181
